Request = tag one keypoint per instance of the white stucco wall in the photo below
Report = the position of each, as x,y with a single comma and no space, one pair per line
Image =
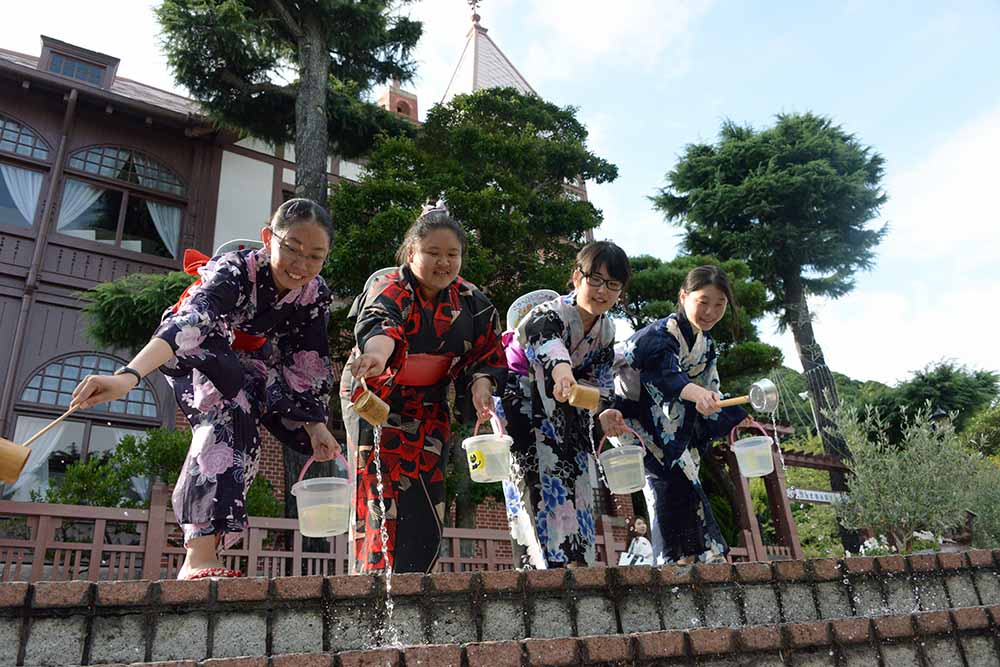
244,198
257,145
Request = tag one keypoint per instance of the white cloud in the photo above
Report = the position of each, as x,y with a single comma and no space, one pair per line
577,35
943,209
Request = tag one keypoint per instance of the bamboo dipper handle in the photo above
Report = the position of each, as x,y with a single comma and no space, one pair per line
50,425
739,400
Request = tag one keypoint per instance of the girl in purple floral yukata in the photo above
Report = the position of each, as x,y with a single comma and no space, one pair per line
246,345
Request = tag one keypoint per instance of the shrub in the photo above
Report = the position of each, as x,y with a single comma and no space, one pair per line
920,483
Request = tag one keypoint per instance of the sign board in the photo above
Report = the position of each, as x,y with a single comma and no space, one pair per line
810,496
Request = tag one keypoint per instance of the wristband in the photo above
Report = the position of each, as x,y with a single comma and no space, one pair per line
126,370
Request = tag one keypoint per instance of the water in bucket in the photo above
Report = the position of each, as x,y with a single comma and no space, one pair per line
623,469
489,454
324,504
753,455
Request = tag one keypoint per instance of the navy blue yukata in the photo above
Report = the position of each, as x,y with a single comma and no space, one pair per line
651,369
227,394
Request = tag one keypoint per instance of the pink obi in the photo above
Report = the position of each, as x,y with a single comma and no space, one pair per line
517,360
424,370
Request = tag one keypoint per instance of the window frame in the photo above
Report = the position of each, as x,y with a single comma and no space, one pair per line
46,172
101,68
30,163
47,410
126,188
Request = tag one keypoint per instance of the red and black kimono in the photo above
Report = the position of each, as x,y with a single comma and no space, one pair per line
454,338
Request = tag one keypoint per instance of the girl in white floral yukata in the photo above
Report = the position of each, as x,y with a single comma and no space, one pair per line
561,341
245,345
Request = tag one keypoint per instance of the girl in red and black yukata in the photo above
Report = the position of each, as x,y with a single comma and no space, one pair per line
246,345
419,328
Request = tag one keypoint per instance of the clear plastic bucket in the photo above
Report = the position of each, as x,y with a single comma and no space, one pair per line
324,503
753,455
623,468
488,455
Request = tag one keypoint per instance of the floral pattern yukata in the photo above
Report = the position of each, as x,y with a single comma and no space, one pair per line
651,369
226,394
459,323
550,508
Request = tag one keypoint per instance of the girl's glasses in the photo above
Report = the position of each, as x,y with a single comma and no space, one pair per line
285,247
595,280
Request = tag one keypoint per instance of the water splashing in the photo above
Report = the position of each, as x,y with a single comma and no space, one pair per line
388,634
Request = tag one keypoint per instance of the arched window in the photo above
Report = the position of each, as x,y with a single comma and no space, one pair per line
21,177
124,198
84,435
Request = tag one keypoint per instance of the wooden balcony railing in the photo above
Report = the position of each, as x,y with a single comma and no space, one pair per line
46,542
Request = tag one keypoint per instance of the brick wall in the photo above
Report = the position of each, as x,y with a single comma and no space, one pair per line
936,609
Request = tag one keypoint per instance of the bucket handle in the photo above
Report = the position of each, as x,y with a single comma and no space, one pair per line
494,420
312,459
753,424
631,430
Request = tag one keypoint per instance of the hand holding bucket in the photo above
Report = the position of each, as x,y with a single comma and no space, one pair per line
324,502
13,457
753,454
488,455
623,467
763,397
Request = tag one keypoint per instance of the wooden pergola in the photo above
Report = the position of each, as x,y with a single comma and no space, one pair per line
751,546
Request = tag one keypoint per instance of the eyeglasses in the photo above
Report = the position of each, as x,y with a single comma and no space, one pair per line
285,247
595,280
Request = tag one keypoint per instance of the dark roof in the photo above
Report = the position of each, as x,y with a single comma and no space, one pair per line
122,87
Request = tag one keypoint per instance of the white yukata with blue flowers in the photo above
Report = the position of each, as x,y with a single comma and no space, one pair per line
651,368
550,506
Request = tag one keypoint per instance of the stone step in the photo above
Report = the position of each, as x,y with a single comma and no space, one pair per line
959,638
67,623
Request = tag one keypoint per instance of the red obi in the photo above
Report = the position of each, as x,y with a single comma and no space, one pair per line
424,370
194,260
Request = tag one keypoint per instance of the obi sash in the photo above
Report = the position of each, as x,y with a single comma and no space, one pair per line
194,260
424,370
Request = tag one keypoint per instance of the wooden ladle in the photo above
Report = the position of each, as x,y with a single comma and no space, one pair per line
13,456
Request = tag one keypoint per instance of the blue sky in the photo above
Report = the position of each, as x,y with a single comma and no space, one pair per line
919,81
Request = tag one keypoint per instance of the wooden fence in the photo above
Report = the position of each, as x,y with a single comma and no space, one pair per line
46,542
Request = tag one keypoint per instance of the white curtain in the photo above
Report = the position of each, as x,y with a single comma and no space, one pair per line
77,198
166,219
35,476
24,186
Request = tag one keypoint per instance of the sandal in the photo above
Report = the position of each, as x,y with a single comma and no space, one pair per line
213,573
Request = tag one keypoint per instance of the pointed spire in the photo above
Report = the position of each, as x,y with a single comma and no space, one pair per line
482,63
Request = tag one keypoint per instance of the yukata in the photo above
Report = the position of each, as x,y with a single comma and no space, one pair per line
282,379
457,336
651,369
550,503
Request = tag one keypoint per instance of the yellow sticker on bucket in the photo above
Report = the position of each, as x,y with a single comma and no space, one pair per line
475,460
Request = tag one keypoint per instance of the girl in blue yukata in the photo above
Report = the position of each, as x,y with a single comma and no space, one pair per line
668,392
558,343
245,345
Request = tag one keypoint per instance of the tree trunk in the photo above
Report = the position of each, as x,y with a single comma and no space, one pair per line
821,387
311,135
311,154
